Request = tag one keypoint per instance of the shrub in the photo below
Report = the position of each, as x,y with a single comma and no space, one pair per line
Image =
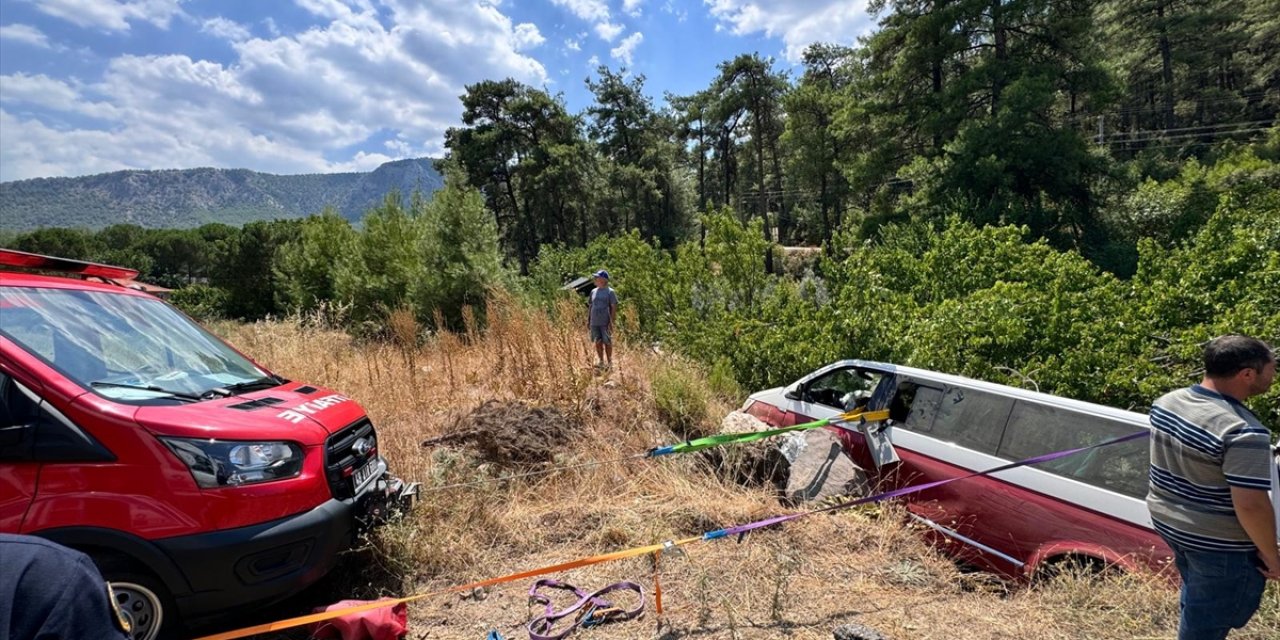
200,301
682,399
721,382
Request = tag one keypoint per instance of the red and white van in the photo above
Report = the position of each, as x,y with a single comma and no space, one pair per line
196,479
1089,507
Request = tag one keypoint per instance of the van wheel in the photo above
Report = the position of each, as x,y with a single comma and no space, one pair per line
1076,566
142,599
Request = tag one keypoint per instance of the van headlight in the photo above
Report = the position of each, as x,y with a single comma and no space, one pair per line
232,463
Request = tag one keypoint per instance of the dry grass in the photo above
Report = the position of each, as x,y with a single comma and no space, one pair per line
797,581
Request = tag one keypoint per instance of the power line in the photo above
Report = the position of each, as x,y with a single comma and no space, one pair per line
1183,136
1157,108
1221,125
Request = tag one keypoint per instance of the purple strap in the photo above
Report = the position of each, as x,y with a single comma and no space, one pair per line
744,528
540,628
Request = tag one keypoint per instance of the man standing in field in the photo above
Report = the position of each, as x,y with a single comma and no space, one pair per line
602,310
1210,471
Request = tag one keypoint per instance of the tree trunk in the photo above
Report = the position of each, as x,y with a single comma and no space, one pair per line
1002,54
702,171
826,224
1166,68
783,221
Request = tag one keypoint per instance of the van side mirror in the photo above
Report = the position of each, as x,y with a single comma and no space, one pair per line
792,393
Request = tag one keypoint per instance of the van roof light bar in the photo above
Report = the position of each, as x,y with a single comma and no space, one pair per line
24,260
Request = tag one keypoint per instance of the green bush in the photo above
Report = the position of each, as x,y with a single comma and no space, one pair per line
682,398
200,301
721,381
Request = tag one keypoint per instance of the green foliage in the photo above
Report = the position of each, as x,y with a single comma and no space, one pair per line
304,266
376,275
977,301
461,260
721,382
200,301
242,266
76,244
682,399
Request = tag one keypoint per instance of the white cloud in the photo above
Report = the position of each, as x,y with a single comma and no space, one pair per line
293,104
626,48
226,29
572,45
589,10
527,36
593,62
39,90
270,24
25,34
597,12
335,9
608,30
680,14
799,23
111,15
632,7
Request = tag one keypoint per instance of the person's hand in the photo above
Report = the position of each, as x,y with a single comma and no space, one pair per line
1271,564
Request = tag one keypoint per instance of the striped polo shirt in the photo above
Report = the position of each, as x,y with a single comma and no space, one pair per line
1202,444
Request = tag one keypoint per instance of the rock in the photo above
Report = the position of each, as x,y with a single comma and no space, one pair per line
754,464
739,422
820,468
858,632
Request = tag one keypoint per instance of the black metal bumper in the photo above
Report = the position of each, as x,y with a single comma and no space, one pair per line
258,565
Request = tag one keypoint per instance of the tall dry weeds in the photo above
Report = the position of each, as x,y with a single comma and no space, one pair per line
799,580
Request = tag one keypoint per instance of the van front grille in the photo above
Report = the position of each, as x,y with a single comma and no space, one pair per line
341,456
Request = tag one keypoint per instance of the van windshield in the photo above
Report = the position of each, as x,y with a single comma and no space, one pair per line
124,347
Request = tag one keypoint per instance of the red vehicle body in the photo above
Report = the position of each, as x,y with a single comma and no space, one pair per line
1086,508
198,481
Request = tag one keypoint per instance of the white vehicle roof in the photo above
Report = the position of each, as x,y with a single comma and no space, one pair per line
1135,418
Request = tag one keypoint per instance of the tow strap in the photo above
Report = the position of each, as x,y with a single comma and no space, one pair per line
590,610
752,436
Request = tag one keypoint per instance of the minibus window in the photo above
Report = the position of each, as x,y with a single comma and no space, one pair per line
1036,429
842,389
971,418
924,406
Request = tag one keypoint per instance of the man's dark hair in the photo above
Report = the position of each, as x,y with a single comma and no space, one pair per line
1227,355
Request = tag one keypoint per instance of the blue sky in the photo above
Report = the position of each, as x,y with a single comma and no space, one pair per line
312,86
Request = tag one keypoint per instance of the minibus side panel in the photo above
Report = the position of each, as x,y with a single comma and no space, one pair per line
1020,523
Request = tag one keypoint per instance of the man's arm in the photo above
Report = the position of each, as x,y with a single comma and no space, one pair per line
1253,509
613,309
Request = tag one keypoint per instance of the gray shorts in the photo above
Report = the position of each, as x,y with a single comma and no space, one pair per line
601,333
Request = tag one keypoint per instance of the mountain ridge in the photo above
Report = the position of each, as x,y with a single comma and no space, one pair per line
185,198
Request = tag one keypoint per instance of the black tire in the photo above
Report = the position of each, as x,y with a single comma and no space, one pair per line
1073,565
142,598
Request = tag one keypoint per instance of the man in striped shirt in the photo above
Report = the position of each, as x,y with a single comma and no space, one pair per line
1210,472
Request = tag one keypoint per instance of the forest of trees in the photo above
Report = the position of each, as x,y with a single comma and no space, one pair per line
1038,112
1061,194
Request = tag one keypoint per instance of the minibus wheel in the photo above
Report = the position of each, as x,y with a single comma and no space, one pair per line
141,598
1074,565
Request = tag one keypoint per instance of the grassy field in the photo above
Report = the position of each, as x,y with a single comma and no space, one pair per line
795,581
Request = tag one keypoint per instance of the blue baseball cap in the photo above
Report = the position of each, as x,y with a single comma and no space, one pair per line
601,274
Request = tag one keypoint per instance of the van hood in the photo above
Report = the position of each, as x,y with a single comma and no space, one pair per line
302,413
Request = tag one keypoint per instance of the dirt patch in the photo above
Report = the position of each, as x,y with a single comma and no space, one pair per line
510,433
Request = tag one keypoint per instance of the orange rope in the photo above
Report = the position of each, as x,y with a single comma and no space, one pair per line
657,585
532,573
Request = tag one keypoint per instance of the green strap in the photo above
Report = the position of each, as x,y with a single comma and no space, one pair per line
736,438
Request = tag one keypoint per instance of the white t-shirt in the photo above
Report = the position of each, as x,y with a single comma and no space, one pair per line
1275,488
